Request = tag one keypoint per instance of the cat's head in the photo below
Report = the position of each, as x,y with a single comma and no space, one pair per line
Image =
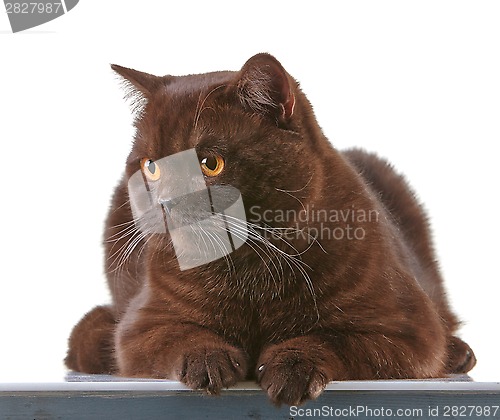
250,131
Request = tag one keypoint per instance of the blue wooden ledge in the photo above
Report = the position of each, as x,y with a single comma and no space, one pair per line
106,397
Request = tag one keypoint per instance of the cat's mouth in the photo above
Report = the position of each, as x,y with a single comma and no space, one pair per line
207,240
186,210
202,226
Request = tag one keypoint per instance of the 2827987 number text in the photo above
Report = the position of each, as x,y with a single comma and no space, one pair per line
32,8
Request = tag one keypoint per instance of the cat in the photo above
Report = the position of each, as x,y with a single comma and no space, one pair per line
336,279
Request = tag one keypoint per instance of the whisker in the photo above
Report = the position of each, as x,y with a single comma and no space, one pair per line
293,262
299,190
123,234
126,250
200,109
226,256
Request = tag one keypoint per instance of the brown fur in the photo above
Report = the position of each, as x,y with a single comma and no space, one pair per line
373,309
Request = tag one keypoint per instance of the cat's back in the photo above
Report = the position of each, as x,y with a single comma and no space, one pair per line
396,196
409,219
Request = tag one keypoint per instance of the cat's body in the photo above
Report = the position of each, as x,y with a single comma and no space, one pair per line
366,303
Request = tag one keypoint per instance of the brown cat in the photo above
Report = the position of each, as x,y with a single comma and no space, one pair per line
336,278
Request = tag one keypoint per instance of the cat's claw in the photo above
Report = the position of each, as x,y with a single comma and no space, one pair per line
212,369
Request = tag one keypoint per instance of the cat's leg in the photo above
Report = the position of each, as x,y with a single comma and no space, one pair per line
91,343
461,358
299,368
152,344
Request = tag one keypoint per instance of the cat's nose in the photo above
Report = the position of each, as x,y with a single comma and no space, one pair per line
167,204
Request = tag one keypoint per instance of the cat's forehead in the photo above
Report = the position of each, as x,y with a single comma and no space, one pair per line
197,83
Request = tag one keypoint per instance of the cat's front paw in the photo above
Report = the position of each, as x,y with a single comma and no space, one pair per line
290,377
212,368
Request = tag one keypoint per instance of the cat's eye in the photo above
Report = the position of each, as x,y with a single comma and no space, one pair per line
150,169
212,165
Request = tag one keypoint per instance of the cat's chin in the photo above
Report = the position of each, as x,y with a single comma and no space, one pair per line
194,248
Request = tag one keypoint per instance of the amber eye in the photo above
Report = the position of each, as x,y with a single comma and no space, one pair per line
150,169
212,165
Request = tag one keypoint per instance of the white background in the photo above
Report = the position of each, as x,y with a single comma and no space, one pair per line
417,82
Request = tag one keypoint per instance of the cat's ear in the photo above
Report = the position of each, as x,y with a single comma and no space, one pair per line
266,88
144,82
139,87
